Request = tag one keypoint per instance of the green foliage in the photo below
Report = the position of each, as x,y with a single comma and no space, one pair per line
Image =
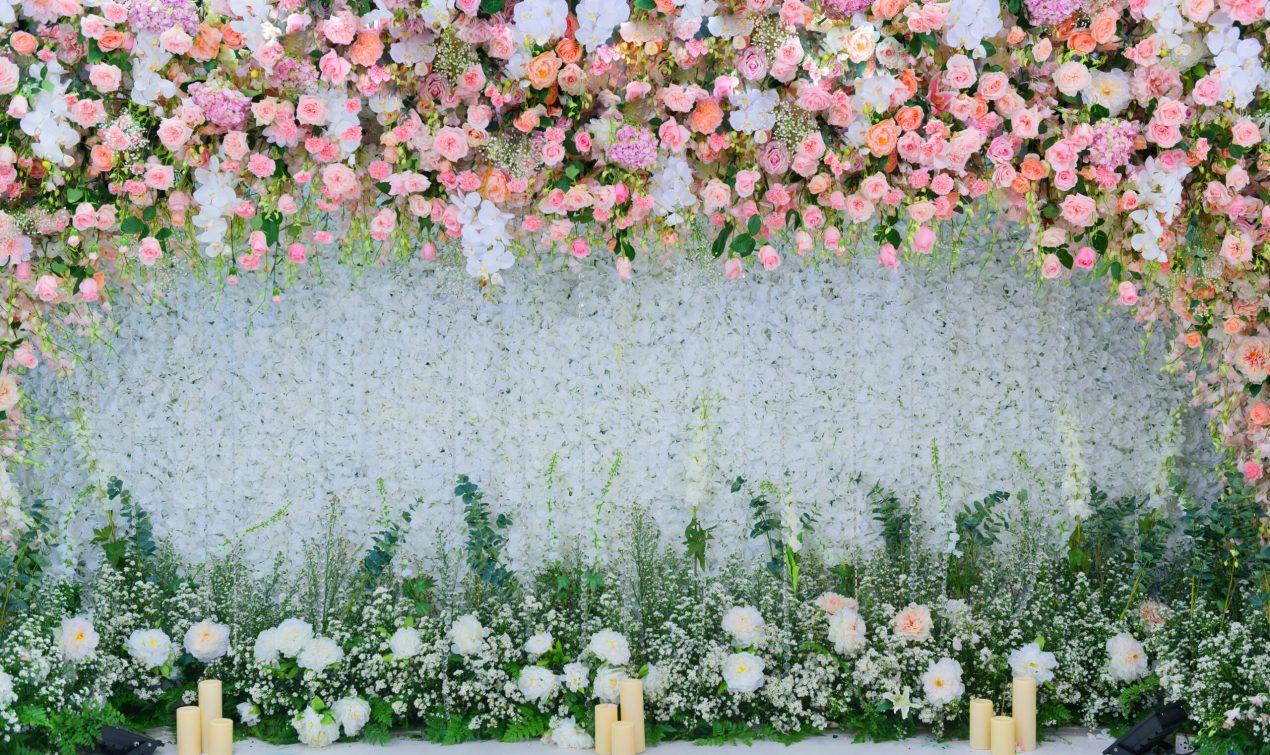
695,539
67,732
485,541
22,567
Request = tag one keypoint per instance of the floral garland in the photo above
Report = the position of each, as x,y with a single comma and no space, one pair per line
266,134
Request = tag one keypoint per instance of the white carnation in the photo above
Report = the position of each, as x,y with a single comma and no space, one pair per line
610,647
76,638
746,626
1126,658
942,682
743,672
318,654
248,714
150,647
207,640
352,714
537,683
467,635
405,643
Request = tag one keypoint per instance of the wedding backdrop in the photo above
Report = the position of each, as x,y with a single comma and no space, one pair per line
455,368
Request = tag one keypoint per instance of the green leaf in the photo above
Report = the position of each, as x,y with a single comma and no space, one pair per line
491,6
720,241
133,226
645,5
743,245
754,225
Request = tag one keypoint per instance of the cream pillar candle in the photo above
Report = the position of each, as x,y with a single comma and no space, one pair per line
980,724
605,717
623,738
209,707
1002,735
631,696
189,736
221,740
1024,712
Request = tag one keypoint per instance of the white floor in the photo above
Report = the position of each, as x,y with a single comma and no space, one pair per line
1064,742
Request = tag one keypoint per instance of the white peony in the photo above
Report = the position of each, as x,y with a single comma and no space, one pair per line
538,644
314,729
847,631
207,640
292,635
1126,658
405,643
743,672
318,654
352,714
248,714
151,647
467,635
537,683
576,676
1030,660
942,682
607,685
610,647
1109,89
76,638
565,732
745,624
540,21
266,649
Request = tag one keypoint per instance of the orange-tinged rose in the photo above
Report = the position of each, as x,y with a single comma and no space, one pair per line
1033,168
706,117
232,38
909,117
1015,36
112,39
569,51
909,80
1020,183
541,71
206,44
1103,28
1063,29
666,6
888,8
881,138
1082,42
23,43
366,49
1194,339
494,187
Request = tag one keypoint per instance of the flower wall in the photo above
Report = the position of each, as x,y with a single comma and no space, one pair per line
573,400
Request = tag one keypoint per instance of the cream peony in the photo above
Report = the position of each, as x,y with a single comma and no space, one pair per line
743,672
576,676
942,682
610,647
76,638
292,635
832,602
538,644
352,714
1126,659
318,654
405,643
467,635
537,683
207,640
607,684
314,729
912,623
746,626
1030,660
150,647
847,631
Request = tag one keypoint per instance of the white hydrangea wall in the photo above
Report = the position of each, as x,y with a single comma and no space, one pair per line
220,409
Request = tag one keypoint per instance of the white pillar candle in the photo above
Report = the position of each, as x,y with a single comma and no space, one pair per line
605,717
1024,712
623,738
1002,735
221,740
631,696
209,707
189,735
980,724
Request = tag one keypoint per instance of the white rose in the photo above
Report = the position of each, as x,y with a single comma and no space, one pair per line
538,644
405,643
743,672
207,640
1030,660
746,626
352,714
610,647
76,638
314,730
576,676
318,654
292,635
1126,659
608,681
942,682
151,647
537,683
467,635
847,631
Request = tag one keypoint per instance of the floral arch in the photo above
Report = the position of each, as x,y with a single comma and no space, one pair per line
252,138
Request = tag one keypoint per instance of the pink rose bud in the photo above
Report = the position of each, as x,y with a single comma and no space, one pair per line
296,253
429,251
1128,293
732,269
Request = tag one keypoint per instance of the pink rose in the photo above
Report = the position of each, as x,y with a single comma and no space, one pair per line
745,182
450,143
173,133
10,74
752,64
732,269
1051,267
1236,249
149,251
888,256
159,177
716,195
297,253
334,68
1128,293
1078,210
1253,470
46,288
1085,258
105,77
1245,133
235,145
176,41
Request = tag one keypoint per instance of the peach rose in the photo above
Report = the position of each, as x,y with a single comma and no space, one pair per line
706,117
1260,413
23,43
206,44
112,39
1103,27
366,50
881,138
541,71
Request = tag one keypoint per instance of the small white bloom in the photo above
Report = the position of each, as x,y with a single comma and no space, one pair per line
901,702
150,647
942,682
743,672
314,729
352,714
576,676
1126,659
207,640
565,732
318,654
292,635
610,647
7,694
405,643
847,631
746,626
652,681
76,638
607,685
537,683
1030,660
538,644
248,714
467,635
